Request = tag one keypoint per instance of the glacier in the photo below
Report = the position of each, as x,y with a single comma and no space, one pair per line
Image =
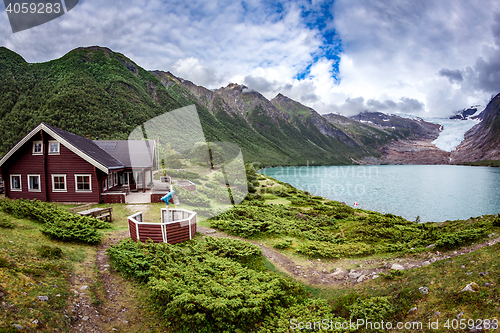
453,132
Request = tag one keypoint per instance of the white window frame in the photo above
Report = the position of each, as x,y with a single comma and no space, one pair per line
90,182
65,183
20,189
34,145
39,183
58,147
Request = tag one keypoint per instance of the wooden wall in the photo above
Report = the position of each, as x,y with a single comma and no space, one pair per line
24,162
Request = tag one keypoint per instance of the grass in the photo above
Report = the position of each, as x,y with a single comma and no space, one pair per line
30,267
445,279
26,274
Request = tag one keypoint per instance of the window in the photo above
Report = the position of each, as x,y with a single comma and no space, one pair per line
54,148
34,183
37,147
59,183
83,183
15,183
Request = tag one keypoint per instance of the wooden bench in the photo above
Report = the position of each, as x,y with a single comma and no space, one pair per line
98,213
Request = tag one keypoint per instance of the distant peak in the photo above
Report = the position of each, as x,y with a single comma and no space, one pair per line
236,86
281,96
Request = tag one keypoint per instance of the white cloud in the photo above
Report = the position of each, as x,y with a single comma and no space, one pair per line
396,55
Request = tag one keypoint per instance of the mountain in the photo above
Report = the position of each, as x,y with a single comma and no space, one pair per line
469,113
482,142
269,134
98,93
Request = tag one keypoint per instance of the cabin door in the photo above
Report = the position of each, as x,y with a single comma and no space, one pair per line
138,179
131,181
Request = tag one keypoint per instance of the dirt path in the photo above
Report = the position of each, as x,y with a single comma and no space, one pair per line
317,272
102,301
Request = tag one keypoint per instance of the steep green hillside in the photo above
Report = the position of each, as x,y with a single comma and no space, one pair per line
268,134
97,93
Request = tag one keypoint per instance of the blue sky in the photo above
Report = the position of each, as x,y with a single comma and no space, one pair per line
421,57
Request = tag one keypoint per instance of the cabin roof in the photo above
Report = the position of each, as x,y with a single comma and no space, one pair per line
132,153
79,145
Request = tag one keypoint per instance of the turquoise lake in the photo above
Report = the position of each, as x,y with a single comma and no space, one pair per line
433,192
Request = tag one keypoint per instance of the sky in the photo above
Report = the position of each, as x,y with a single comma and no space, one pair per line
426,57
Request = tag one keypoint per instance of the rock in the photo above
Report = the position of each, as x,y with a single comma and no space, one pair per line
375,276
491,235
84,287
298,267
430,246
361,278
423,290
35,322
483,273
412,310
463,266
324,270
210,231
426,263
459,315
397,267
85,318
354,275
43,298
470,287
437,313
18,327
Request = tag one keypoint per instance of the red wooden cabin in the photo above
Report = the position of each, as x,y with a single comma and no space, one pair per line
50,164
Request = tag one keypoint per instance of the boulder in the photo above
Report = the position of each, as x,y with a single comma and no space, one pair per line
397,267
473,287
423,290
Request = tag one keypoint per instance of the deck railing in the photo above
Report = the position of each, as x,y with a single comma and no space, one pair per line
177,225
111,197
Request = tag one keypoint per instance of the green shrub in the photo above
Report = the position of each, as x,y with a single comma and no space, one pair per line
453,240
4,262
5,223
201,286
327,250
50,252
392,274
283,244
57,223
374,309
311,311
71,231
191,198
496,221
130,258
